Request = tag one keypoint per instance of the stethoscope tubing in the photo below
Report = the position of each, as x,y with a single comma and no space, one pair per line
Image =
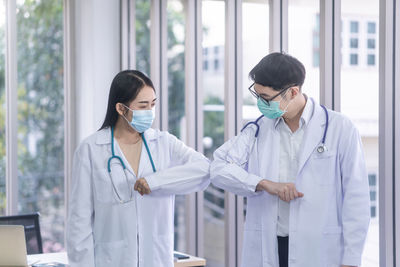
113,156
321,148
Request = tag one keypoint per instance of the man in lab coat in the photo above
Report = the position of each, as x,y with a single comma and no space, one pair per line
303,171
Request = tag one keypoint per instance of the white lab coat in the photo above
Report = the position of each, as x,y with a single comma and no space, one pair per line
103,232
328,226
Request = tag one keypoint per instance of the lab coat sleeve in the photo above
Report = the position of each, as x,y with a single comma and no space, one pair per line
189,171
80,215
356,202
229,170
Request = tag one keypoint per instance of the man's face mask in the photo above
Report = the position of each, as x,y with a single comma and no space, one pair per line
271,109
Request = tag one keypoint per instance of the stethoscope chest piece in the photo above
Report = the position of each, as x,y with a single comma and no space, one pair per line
321,148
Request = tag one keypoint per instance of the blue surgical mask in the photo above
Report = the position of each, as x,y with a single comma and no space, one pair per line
271,111
141,119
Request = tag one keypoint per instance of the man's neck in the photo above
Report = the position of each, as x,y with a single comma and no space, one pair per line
293,120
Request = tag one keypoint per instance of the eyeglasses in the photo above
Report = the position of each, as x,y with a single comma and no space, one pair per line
267,101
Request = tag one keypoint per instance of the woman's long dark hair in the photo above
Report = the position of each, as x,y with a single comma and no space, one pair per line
125,87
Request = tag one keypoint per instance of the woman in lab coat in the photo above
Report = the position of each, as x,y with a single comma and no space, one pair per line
307,198
124,178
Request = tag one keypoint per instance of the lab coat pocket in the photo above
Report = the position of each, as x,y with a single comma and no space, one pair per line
110,253
333,246
252,248
323,167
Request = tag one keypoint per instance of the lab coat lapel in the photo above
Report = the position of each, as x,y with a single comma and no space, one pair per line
268,140
145,167
312,136
144,163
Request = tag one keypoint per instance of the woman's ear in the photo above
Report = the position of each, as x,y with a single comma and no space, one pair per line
120,108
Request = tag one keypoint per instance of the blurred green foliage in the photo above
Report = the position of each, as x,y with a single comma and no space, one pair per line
40,116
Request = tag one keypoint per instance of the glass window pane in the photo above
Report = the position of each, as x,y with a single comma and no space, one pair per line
373,212
255,47
353,59
303,42
371,60
353,43
216,65
205,65
2,111
316,59
176,67
356,81
176,100
371,43
371,27
41,116
373,195
354,26
213,16
142,16
372,179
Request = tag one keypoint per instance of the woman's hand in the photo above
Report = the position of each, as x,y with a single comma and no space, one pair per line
285,191
142,187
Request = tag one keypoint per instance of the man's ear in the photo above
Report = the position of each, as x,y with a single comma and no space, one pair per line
295,91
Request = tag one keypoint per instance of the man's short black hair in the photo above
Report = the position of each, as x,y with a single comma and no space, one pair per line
279,71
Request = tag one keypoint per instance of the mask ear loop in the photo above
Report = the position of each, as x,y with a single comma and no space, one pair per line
128,109
285,110
123,116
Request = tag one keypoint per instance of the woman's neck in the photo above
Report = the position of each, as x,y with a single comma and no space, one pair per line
124,133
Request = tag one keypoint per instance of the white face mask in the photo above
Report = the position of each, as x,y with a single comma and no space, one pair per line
141,119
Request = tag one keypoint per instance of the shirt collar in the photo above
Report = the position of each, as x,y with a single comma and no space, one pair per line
307,112
305,116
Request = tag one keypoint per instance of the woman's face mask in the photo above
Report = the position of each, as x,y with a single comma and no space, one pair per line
141,119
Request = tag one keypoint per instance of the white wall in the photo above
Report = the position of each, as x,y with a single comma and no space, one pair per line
96,61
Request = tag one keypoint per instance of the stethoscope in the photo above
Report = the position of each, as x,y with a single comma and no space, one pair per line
113,156
321,148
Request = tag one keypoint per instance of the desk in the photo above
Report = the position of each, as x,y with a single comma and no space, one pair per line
48,257
63,258
192,261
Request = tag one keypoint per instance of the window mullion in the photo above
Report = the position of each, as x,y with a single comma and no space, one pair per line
11,109
330,36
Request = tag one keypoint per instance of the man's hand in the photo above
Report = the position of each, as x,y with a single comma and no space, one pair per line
285,191
142,187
